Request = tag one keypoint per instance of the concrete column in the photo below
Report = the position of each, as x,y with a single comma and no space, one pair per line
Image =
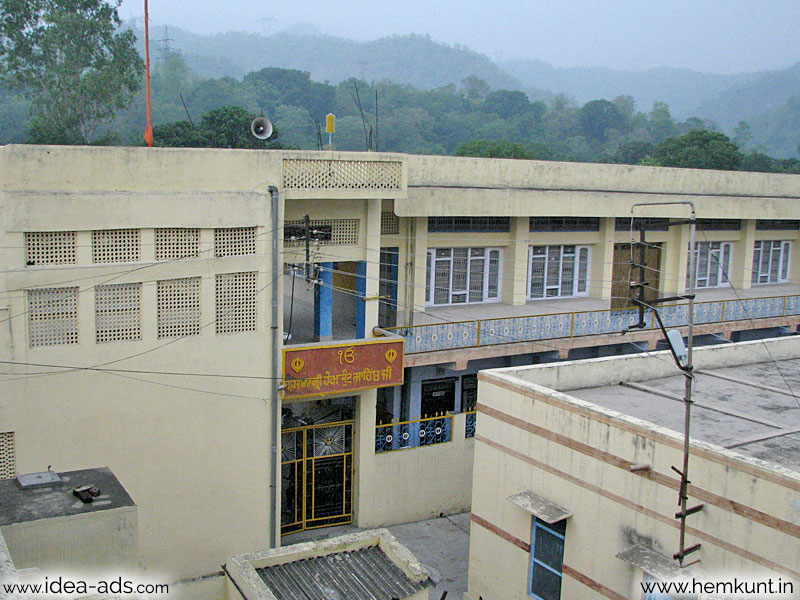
741,268
794,257
86,298
364,496
418,255
515,263
323,304
369,273
602,261
83,250
361,302
148,310
674,261
147,238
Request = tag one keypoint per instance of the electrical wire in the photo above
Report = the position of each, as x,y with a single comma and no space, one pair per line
149,350
99,367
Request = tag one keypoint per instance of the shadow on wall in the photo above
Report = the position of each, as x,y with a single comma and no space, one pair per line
298,309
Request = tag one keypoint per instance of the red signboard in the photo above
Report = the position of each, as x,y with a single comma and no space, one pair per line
333,369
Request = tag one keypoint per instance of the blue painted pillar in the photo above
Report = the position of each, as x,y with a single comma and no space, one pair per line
323,304
361,304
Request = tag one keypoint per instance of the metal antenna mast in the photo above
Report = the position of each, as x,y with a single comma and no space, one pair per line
686,367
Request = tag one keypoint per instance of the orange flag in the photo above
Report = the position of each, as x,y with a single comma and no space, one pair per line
148,134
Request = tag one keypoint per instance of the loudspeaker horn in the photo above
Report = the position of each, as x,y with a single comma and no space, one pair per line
261,127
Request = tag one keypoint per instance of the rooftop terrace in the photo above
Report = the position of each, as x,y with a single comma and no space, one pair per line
753,409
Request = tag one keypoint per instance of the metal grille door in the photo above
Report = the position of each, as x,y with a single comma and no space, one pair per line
317,476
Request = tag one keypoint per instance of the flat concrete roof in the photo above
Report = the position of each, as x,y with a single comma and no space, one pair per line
750,408
20,506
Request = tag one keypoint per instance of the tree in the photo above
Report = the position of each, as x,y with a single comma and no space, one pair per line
632,153
661,124
69,59
742,135
273,86
224,127
598,117
698,149
475,88
493,149
506,103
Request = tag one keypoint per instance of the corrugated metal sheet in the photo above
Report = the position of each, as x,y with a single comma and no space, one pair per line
366,574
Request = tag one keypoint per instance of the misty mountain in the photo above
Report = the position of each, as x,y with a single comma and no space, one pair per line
778,131
746,100
411,59
682,89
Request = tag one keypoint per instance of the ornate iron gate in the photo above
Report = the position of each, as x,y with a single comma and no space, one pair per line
317,476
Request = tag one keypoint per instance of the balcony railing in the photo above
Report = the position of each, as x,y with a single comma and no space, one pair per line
412,434
509,330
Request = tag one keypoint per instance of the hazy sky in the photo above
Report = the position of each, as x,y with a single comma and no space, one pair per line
723,36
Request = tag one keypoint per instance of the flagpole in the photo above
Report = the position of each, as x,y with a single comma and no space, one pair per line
148,134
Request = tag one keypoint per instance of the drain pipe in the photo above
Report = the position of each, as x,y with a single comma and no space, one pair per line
275,370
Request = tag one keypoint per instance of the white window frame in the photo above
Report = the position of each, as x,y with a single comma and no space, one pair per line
446,256
715,268
779,251
579,287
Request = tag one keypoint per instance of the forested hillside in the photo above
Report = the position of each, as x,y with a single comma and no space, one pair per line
765,94
413,59
682,89
418,96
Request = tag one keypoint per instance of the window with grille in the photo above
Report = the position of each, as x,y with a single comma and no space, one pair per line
8,458
118,312
777,224
564,224
469,224
115,246
390,223
771,261
718,224
463,275
649,223
50,248
328,232
178,305
547,557
236,302
234,241
53,316
712,263
176,243
555,271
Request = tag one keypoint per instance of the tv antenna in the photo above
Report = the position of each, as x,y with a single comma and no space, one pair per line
680,353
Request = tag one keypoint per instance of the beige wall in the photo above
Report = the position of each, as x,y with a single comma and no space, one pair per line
202,493
577,455
101,542
446,185
193,451
405,486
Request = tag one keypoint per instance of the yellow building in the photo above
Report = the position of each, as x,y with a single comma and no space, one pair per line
139,329
577,462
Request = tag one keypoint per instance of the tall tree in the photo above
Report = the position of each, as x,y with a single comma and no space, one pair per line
70,60
597,117
698,149
742,135
493,149
224,127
